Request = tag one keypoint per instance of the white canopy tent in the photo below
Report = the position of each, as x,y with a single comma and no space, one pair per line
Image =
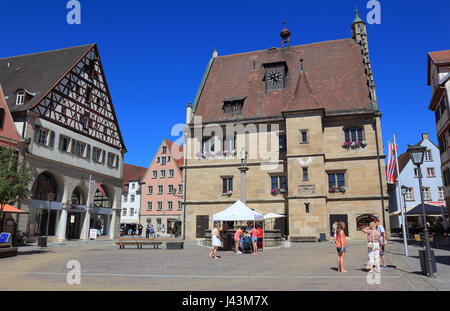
238,212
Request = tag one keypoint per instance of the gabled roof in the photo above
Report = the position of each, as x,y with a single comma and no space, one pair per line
335,73
172,147
9,136
438,58
132,172
36,73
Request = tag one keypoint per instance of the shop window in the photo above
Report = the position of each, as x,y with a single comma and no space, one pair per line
364,221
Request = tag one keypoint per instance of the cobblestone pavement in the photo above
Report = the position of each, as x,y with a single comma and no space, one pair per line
307,267
441,281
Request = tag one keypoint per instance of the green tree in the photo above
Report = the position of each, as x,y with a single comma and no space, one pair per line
14,180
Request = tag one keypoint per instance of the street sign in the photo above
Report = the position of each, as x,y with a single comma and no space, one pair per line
4,237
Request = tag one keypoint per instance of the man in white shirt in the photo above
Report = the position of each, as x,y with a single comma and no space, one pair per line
382,232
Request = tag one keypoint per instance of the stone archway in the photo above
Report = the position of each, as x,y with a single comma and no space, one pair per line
45,184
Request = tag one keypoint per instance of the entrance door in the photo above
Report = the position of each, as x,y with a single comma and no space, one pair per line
339,218
202,226
74,226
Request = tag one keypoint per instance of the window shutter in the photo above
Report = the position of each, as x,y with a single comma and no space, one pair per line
88,152
117,161
103,156
37,130
52,139
72,149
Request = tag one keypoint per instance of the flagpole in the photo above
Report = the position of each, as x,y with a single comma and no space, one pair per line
87,220
399,195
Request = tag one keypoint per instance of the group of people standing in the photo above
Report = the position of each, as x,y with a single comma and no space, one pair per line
255,233
376,238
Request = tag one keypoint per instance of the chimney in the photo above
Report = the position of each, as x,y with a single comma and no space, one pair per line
425,136
189,113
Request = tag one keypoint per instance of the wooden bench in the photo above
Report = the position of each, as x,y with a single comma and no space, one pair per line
6,250
139,244
175,245
304,239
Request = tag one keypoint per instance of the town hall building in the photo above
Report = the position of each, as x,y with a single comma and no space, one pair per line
307,120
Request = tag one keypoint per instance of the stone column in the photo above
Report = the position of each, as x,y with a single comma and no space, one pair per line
62,224
243,184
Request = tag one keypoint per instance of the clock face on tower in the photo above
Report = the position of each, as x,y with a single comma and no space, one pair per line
275,78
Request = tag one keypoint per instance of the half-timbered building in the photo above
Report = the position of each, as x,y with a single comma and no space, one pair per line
62,107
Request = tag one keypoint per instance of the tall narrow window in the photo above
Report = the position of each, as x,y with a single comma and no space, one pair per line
304,136
441,193
282,140
336,180
305,174
227,185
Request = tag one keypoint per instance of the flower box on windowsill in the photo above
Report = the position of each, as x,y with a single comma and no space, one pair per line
277,191
342,189
227,194
355,145
227,154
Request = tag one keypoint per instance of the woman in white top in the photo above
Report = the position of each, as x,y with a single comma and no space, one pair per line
215,239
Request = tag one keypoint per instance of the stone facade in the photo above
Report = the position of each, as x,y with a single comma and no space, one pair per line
313,143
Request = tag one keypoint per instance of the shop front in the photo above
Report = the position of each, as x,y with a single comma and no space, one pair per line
75,219
101,220
174,226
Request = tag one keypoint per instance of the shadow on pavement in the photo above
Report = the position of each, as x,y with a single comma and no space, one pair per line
34,252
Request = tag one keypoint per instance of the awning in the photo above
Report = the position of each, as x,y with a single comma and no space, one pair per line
430,210
273,216
11,210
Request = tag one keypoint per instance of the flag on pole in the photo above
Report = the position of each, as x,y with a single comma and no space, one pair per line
391,173
99,187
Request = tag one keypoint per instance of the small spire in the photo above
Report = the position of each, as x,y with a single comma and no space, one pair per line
285,34
357,18
215,54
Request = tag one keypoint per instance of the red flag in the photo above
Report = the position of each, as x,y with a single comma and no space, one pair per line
99,187
390,169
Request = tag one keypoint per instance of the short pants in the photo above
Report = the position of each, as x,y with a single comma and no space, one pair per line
254,239
340,249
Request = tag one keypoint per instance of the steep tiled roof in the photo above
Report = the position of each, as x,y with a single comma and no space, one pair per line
335,76
132,172
36,73
8,132
440,57
175,149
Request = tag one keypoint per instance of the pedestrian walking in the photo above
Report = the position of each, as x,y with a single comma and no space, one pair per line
341,246
140,227
237,240
260,237
215,239
374,246
382,232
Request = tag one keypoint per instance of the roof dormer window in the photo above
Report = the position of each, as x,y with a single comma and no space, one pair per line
20,97
233,105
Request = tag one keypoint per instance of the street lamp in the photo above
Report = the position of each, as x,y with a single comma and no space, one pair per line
405,220
417,154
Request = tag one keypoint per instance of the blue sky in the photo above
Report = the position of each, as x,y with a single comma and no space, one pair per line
155,53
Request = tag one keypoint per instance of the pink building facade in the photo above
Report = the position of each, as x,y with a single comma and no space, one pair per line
162,190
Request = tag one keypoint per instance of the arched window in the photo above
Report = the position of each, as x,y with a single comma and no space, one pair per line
78,197
102,200
363,221
44,185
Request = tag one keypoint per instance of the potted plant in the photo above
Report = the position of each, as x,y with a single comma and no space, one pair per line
275,191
